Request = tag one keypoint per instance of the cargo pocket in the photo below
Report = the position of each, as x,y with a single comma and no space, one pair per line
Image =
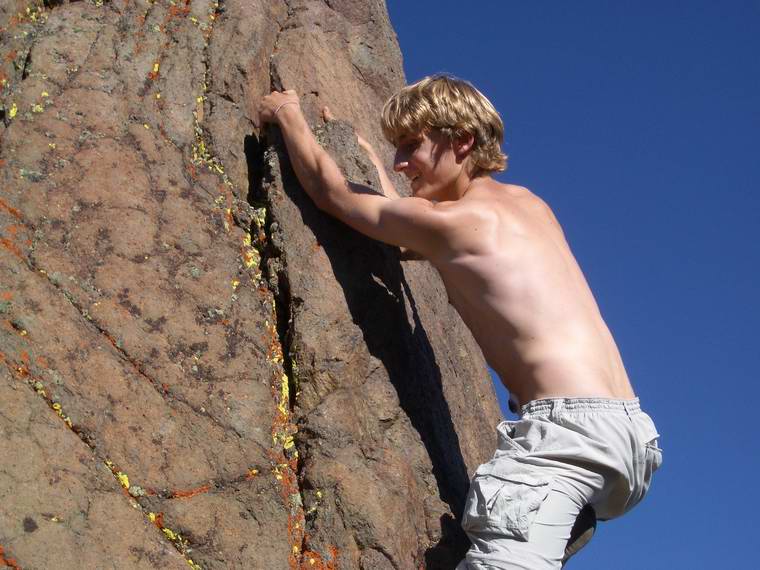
654,455
647,458
653,462
504,498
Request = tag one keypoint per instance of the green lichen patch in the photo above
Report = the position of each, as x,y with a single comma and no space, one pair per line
31,175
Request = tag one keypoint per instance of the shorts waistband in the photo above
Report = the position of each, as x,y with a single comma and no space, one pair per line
547,406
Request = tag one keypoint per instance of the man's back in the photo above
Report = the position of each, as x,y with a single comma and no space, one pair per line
513,279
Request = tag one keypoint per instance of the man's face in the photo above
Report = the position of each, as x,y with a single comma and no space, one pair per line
429,162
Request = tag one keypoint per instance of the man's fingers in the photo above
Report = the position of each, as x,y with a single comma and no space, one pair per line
327,114
406,254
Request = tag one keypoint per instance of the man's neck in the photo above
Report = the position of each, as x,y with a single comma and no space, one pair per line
459,187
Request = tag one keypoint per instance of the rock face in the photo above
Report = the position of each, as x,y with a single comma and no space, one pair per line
197,366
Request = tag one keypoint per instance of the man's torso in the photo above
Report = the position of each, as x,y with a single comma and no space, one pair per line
513,279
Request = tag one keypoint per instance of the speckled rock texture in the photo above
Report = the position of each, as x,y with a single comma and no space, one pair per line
197,367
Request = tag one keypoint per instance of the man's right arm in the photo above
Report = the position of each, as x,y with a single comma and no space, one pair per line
413,223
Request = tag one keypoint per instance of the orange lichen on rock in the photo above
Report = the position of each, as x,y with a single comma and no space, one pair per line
17,370
10,209
190,492
284,456
21,372
12,247
175,11
9,562
313,560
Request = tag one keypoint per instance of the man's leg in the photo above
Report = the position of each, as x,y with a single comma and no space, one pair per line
560,519
582,532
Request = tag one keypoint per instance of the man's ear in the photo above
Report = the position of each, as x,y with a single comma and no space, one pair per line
462,145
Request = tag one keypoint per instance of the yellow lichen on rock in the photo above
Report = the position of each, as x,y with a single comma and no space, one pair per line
284,405
170,534
260,217
251,256
123,479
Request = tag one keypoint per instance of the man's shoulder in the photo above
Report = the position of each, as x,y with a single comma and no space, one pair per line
492,196
491,202
509,204
490,189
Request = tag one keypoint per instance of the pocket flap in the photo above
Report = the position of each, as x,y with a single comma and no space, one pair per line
514,472
504,498
646,431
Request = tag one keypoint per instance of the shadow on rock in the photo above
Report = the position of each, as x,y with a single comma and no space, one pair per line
382,305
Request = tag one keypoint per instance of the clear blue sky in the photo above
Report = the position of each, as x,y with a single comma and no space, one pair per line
639,123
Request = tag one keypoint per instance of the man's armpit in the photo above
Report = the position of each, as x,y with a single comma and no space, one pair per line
362,189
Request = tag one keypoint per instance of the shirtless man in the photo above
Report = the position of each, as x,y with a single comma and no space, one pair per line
581,439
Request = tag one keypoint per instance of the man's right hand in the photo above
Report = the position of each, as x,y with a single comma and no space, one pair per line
272,104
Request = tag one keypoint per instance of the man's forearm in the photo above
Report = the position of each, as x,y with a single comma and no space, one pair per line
385,182
315,168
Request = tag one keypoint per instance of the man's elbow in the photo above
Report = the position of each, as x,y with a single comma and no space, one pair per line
321,196
329,186
322,201
330,203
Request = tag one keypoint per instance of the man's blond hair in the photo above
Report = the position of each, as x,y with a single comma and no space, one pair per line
453,107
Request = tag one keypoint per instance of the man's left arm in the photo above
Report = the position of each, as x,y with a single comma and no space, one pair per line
385,182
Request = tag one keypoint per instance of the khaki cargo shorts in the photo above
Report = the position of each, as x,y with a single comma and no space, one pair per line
562,455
